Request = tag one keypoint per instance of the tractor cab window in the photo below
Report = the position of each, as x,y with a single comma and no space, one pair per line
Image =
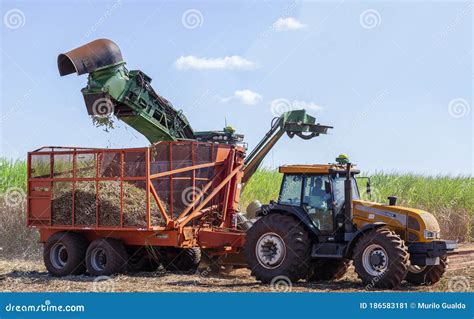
291,190
318,201
339,195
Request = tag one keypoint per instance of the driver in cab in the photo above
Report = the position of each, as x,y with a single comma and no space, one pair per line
318,201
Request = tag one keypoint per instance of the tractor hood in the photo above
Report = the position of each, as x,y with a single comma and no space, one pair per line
415,221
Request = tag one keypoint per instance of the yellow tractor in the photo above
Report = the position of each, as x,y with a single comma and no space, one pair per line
319,224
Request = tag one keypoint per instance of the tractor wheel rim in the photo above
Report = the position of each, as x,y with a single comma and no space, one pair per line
415,269
375,260
98,259
58,256
270,250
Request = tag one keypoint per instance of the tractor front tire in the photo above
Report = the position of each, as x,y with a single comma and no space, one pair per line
106,256
328,269
64,254
381,258
427,275
277,245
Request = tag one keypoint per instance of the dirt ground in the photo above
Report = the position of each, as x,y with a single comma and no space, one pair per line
20,275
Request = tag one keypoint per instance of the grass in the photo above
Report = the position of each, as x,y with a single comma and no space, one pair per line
450,199
12,174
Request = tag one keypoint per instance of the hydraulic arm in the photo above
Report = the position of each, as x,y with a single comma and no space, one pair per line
292,123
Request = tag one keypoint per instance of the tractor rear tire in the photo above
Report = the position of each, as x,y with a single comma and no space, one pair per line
64,254
427,275
185,259
381,258
106,256
328,269
277,245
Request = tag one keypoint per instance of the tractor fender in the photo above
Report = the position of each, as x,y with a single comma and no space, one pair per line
358,234
296,212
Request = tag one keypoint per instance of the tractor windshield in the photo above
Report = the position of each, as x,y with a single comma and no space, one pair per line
291,190
338,185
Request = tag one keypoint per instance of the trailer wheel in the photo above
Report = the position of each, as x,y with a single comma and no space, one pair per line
277,245
328,269
381,258
106,256
186,259
64,254
427,275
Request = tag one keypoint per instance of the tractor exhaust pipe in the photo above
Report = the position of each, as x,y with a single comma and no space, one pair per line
348,226
90,57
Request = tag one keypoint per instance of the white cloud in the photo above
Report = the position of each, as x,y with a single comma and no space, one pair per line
234,62
285,24
280,106
306,105
247,97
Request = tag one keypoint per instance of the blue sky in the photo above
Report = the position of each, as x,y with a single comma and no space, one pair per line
393,78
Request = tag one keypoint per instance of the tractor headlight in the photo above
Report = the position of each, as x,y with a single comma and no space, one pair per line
431,234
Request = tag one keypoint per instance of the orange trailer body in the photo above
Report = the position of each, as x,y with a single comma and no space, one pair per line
189,193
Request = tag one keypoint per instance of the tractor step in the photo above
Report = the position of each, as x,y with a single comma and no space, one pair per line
328,250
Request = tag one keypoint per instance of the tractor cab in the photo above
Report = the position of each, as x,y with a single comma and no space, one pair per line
318,190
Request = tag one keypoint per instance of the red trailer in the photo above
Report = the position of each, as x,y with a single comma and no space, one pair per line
125,208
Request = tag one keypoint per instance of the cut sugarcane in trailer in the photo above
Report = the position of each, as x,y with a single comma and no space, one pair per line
105,211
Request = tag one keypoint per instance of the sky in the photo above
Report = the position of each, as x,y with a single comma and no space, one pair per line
395,79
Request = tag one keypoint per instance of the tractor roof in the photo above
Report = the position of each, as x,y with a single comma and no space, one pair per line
314,169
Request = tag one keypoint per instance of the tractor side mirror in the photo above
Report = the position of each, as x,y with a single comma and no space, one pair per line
327,187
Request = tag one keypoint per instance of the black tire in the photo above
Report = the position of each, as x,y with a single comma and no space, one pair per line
394,255
328,269
106,256
266,236
181,259
428,275
139,260
64,254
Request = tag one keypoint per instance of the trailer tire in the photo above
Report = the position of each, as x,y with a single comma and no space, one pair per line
428,275
64,254
185,259
106,256
328,269
277,246
381,258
